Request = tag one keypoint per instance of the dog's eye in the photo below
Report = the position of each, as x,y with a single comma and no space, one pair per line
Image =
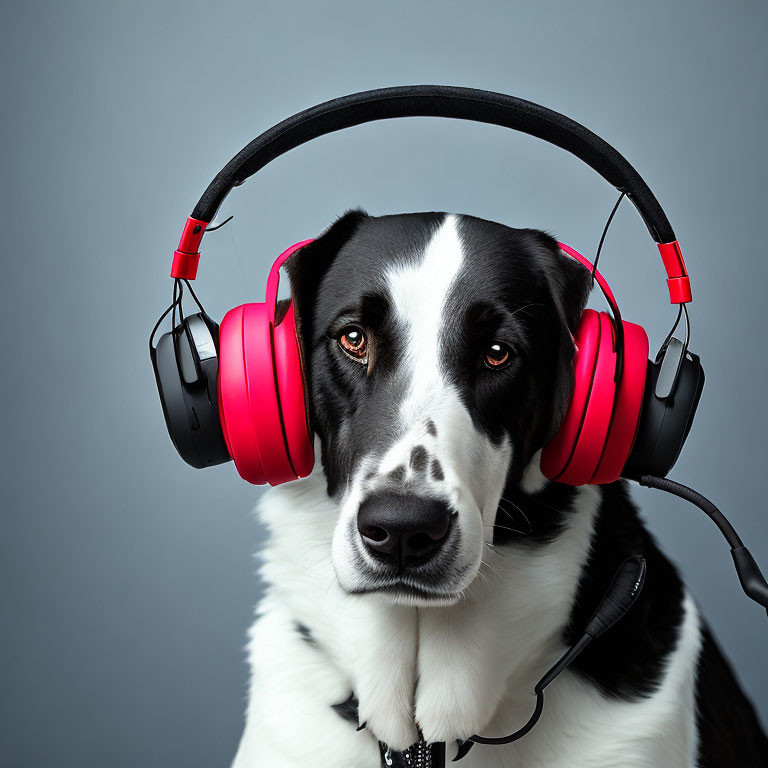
497,355
352,340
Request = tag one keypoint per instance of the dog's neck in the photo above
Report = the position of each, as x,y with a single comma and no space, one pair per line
457,669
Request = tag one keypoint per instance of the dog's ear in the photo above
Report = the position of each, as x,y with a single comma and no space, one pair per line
307,267
569,285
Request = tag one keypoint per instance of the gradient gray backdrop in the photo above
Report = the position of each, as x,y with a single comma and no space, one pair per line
127,578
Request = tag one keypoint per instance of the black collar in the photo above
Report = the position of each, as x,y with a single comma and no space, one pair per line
418,755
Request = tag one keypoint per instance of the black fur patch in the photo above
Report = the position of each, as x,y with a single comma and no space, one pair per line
347,710
516,286
431,428
418,458
306,634
338,280
532,519
627,661
729,731
437,470
397,474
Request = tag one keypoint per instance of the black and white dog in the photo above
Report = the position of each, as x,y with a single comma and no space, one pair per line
426,574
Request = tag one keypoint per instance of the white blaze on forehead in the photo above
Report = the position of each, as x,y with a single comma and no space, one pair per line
474,468
419,289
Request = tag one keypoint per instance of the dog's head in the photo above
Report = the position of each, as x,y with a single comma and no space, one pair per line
438,355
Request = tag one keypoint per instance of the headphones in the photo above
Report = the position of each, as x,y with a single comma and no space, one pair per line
237,391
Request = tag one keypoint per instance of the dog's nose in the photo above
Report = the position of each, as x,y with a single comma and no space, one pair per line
403,530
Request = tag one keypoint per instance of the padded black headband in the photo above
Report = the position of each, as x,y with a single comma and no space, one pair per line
439,101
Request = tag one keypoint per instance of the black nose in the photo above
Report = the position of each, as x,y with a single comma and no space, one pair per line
403,530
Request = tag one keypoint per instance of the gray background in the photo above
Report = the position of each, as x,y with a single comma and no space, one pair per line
126,578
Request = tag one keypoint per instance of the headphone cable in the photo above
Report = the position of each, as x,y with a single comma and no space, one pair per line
178,293
162,317
752,580
189,287
682,310
605,232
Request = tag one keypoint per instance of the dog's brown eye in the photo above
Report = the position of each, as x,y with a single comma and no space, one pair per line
352,340
496,355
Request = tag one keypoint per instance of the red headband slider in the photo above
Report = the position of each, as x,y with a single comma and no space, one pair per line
678,282
187,256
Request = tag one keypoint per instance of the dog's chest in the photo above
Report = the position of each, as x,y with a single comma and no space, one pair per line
470,669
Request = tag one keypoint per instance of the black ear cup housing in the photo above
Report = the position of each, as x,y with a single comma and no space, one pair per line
673,387
186,364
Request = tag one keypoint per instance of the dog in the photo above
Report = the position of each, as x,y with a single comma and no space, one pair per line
426,574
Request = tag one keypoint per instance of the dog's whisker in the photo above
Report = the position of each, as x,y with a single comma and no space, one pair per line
328,588
322,561
498,552
548,506
327,556
488,565
508,528
484,582
527,306
517,507
508,512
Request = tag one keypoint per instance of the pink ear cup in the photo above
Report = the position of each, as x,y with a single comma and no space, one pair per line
596,417
249,406
290,384
598,431
234,404
263,396
261,390
628,406
596,436
557,453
